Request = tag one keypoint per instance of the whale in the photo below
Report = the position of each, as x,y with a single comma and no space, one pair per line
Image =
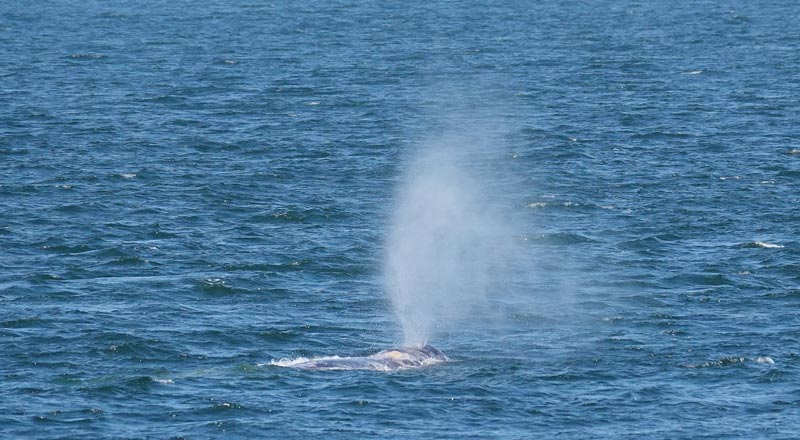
403,358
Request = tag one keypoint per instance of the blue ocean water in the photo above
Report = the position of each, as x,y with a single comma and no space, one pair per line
190,191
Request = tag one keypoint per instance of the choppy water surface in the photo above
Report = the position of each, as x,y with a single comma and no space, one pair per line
192,191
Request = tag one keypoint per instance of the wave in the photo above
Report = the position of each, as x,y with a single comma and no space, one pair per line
730,361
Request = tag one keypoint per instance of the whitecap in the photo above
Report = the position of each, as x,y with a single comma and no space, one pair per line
127,175
87,56
286,362
764,244
765,360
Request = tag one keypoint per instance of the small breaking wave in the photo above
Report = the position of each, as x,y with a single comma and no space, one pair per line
762,244
730,361
286,362
87,56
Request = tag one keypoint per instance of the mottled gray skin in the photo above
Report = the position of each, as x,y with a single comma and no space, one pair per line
386,360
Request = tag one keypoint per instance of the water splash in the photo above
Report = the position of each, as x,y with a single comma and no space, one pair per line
446,240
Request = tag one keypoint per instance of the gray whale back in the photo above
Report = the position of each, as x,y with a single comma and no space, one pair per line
386,360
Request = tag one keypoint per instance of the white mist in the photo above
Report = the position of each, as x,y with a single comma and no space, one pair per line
446,243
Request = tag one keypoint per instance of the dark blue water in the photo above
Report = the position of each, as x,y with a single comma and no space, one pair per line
192,190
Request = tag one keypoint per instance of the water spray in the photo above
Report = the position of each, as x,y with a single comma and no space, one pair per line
445,243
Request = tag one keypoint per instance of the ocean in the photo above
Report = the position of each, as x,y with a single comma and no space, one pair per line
591,208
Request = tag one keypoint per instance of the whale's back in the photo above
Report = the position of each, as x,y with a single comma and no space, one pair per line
386,360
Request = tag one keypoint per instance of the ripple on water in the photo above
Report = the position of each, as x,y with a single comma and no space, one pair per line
84,416
30,322
267,267
761,244
559,239
699,279
218,287
123,387
273,334
86,56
